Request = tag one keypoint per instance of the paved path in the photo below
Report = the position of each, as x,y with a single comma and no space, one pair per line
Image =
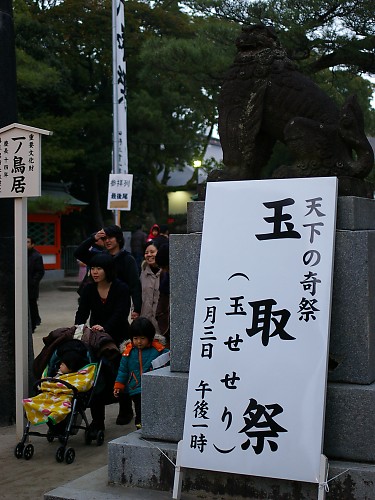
29,480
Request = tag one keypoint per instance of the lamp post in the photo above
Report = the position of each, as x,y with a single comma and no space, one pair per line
197,164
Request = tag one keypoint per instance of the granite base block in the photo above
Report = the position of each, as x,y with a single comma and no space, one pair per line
352,338
350,424
351,481
195,215
184,266
352,344
353,213
134,461
349,428
163,404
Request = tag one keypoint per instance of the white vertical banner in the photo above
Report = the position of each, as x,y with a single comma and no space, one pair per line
257,379
120,141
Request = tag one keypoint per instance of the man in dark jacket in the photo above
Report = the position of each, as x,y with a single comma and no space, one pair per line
126,271
35,274
126,267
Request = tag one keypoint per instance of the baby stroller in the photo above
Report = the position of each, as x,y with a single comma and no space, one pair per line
61,402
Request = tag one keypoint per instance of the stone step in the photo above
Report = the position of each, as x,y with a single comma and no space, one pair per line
95,486
354,481
135,461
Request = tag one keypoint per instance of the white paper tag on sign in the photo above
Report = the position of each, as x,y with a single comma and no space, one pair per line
162,360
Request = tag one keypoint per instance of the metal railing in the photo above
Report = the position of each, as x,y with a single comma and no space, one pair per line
69,262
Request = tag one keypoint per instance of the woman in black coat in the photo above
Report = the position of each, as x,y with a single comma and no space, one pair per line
106,302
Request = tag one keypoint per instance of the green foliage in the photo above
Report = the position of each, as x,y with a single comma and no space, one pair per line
177,55
332,42
47,204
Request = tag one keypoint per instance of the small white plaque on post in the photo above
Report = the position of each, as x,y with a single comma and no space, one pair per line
257,379
120,191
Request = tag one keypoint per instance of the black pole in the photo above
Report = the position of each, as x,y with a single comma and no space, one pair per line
8,115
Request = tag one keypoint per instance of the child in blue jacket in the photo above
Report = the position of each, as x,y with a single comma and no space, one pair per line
136,359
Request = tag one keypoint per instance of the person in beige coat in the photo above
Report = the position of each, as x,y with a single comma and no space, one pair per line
150,281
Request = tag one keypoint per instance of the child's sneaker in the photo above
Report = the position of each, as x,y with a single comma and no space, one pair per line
138,426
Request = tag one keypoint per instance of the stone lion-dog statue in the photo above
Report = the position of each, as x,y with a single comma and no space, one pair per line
264,99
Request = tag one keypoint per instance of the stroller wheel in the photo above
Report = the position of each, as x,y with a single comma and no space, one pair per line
18,450
100,438
60,454
28,452
70,455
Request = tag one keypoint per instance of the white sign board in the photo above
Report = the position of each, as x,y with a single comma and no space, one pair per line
120,191
20,161
257,379
20,177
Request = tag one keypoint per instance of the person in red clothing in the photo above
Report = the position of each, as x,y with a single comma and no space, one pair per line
154,232
163,236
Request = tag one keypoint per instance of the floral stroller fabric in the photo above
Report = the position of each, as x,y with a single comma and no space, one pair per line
61,399
55,401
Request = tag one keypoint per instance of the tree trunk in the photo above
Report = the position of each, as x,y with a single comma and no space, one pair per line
8,114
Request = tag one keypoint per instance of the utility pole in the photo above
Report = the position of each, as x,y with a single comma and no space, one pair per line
8,115
120,138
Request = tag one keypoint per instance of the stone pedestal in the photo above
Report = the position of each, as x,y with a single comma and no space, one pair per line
144,458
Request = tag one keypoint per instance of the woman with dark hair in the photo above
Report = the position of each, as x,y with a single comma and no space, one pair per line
150,281
106,302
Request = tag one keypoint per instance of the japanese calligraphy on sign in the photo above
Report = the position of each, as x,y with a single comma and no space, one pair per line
258,369
20,153
120,191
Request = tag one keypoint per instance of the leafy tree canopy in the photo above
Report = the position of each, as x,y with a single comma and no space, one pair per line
332,41
339,32
177,55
